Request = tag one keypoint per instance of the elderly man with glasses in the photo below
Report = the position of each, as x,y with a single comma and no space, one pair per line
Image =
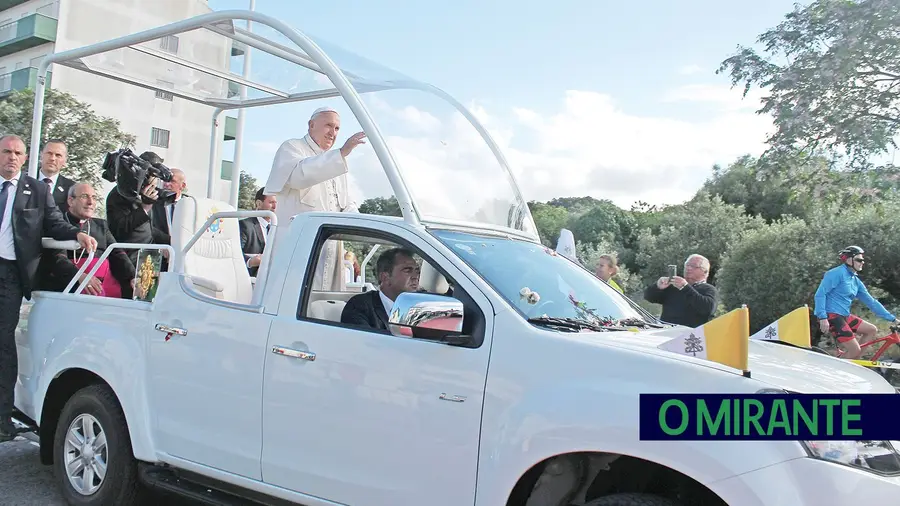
688,300
840,286
114,277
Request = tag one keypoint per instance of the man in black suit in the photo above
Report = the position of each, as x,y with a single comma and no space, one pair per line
254,231
27,213
397,272
58,266
53,160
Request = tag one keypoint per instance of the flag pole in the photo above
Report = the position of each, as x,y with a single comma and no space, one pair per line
746,372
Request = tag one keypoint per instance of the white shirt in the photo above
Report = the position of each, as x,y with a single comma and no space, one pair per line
7,240
386,302
263,224
52,178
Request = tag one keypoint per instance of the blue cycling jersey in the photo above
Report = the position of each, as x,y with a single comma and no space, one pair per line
839,288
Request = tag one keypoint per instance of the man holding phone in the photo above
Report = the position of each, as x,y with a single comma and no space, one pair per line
688,300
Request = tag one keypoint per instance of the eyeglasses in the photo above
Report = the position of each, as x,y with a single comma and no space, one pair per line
860,260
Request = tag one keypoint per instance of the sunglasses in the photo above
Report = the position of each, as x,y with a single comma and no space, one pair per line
860,260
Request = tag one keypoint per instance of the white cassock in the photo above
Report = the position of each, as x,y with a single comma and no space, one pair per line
306,178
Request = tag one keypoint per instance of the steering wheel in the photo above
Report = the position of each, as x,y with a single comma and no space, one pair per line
539,309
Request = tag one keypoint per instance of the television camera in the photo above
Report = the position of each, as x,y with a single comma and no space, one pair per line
131,173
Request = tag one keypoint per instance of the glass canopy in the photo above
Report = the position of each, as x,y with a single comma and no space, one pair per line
441,164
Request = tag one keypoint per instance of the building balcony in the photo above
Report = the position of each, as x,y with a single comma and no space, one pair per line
227,169
9,4
21,79
230,128
28,32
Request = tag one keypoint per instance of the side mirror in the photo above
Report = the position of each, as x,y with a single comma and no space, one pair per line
428,316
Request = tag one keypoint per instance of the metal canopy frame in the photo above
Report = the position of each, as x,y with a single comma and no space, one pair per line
309,56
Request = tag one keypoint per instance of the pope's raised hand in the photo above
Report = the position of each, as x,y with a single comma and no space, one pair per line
354,140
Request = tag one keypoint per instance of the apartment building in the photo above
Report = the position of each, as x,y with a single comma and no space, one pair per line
179,130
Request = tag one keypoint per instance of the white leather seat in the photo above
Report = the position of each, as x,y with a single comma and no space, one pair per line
329,310
432,281
215,262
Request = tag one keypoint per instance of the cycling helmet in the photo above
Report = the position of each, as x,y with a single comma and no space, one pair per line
850,252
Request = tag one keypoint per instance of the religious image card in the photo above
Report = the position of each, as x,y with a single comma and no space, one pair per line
146,277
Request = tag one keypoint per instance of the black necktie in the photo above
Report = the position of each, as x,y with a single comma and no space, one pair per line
4,196
49,183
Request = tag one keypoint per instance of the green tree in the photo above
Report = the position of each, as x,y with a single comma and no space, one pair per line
549,220
89,137
706,225
247,192
773,270
832,73
381,206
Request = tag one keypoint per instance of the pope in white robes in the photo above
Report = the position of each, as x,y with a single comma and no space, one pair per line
308,176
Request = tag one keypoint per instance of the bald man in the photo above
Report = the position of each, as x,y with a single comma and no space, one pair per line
306,176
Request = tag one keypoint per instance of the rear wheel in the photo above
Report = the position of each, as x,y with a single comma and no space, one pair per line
628,499
92,457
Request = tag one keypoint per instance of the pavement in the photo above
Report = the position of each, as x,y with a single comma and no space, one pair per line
24,481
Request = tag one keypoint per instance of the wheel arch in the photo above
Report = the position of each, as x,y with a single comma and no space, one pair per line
60,390
578,477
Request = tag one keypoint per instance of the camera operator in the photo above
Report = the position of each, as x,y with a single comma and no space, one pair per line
130,221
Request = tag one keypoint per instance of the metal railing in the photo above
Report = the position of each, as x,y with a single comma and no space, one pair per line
74,245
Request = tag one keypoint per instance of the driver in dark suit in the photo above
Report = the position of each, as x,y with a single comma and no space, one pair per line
397,272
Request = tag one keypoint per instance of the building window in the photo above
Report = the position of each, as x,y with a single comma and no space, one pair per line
164,95
159,138
36,61
169,43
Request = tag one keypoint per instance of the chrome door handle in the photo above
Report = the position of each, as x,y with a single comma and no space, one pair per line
289,352
171,330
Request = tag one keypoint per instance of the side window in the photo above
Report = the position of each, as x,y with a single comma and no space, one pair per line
346,289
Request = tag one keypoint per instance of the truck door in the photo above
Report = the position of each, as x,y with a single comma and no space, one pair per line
357,415
205,384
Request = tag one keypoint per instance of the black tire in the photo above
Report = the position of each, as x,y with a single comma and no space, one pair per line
119,485
629,499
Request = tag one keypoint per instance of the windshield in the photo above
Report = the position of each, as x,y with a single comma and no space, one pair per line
518,268
447,165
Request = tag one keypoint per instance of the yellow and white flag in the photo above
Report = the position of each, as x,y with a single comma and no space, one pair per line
792,328
724,340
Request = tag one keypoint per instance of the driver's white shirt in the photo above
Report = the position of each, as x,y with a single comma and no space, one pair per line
386,302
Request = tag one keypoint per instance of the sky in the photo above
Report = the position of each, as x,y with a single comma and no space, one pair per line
613,100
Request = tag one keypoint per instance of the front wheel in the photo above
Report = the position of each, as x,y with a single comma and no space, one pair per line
93,461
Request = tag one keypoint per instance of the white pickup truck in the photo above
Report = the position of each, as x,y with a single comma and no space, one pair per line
495,386
259,392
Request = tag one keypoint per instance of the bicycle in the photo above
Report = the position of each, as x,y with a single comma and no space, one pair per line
890,373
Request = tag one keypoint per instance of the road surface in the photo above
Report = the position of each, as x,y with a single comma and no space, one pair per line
24,481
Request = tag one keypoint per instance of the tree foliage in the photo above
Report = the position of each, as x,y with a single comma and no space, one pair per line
832,73
247,192
89,137
382,206
705,225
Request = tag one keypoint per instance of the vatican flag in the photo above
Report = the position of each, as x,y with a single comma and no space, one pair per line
565,245
724,340
792,328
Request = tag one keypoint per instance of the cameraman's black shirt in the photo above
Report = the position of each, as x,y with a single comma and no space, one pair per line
128,222
692,306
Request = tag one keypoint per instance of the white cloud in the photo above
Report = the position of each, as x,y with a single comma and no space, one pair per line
689,70
590,146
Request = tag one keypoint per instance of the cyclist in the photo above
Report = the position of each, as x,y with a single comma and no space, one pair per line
840,286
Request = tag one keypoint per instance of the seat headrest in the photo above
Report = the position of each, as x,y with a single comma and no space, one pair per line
432,280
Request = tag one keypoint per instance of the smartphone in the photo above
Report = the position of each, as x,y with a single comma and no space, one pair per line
673,271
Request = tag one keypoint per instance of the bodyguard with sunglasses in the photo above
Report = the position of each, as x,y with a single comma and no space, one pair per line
840,286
